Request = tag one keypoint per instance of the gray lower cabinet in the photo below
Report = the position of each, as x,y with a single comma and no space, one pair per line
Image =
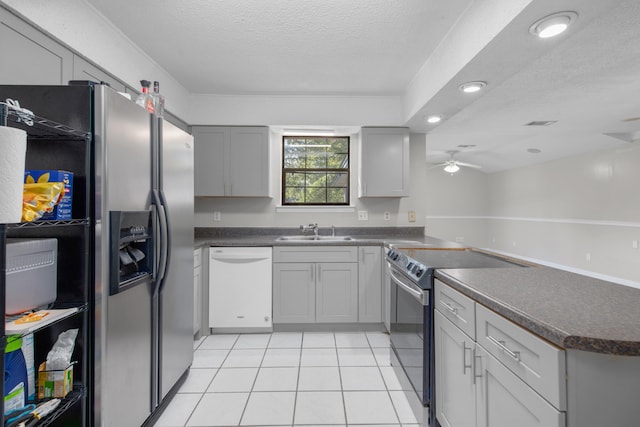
501,385
315,285
32,58
336,292
294,293
370,284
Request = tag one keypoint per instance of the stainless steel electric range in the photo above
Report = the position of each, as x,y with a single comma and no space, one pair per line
411,276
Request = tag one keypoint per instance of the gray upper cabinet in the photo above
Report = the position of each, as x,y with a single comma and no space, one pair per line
84,70
384,149
29,56
231,161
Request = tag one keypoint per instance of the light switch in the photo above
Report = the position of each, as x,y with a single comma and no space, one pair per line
363,215
412,216
217,216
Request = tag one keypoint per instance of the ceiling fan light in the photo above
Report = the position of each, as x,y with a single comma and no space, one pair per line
451,168
552,25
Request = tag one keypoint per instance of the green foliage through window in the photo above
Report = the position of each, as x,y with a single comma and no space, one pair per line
315,170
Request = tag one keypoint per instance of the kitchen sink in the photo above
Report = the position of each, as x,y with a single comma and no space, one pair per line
314,238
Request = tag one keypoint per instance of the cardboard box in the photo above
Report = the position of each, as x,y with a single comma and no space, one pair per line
54,383
63,209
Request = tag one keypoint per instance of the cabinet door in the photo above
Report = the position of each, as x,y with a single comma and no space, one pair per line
249,162
387,150
293,293
503,400
370,284
34,58
455,388
209,152
336,292
83,70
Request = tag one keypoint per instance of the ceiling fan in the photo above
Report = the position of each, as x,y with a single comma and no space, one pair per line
452,165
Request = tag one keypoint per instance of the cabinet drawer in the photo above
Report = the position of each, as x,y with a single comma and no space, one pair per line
535,361
197,258
458,308
315,254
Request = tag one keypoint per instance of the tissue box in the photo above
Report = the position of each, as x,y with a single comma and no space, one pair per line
54,383
63,209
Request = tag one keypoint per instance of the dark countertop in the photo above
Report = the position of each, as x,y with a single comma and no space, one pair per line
362,236
570,310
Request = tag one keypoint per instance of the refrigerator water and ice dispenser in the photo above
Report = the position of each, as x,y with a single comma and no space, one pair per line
131,252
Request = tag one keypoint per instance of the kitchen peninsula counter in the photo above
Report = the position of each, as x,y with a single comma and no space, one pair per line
572,311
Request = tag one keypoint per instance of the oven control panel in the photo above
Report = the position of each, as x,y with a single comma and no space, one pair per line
410,267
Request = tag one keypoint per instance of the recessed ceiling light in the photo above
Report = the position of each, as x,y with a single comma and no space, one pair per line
552,25
471,87
434,119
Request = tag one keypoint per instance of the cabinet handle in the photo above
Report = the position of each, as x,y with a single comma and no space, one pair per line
362,253
319,267
451,309
313,269
502,346
464,358
478,362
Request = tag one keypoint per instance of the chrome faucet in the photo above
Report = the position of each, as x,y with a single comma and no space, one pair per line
314,227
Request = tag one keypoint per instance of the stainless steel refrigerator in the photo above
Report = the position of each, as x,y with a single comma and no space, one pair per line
143,260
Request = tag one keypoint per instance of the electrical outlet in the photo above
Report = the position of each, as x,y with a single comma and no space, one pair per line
412,216
634,244
387,217
217,216
588,256
363,215
460,239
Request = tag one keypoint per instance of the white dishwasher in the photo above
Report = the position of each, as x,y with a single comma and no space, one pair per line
240,288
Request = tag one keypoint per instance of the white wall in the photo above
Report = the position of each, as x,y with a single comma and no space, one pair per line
457,205
580,213
264,212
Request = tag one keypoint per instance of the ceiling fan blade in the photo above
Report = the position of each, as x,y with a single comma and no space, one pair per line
437,165
469,165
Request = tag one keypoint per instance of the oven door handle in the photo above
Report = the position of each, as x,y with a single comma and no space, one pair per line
420,296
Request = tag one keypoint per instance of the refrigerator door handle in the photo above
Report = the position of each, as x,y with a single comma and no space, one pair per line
167,240
162,239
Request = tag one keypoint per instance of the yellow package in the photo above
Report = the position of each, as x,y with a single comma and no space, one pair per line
39,198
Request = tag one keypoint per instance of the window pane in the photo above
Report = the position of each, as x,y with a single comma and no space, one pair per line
294,195
337,180
294,161
337,195
293,179
316,179
338,161
316,195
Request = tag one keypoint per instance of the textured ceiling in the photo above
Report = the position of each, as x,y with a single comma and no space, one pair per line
287,46
587,79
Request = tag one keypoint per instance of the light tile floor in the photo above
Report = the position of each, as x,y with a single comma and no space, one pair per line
290,379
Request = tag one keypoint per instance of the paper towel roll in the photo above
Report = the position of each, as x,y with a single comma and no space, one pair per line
13,148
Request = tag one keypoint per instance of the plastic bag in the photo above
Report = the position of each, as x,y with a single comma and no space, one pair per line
39,198
59,357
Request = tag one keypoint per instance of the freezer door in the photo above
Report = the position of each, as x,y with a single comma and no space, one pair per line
176,292
123,321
